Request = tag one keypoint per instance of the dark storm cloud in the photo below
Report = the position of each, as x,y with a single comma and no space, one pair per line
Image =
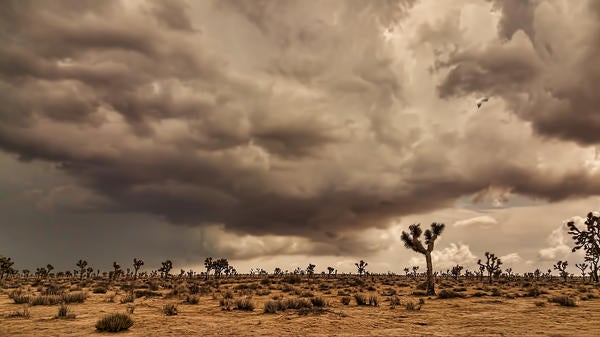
270,117
547,75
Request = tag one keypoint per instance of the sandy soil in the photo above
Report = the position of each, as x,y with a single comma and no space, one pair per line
512,313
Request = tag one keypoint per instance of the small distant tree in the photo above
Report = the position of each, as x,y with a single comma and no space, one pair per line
406,271
415,271
208,264
137,264
361,267
582,267
165,268
588,239
81,264
456,271
310,269
277,271
25,273
330,271
561,266
509,272
412,241
492,264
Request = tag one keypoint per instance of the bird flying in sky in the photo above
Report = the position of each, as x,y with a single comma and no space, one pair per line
481,101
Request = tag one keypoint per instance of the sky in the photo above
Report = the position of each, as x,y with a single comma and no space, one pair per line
282,133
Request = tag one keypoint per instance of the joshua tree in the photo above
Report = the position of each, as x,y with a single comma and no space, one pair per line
330,270
561,266
406,271
81,264
456,271
89,271
137,264
508,272
361,266
415,270
589,240
25,273
583,268
117,270
5,266
277,271
49,267
310,270
412,241
219,265
208,264
491,265
165,268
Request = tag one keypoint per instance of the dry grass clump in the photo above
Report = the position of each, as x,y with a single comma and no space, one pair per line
64,312
345,300
565,301
18,297
114,323
19,314
361,299
245,304
191,299
170,309
445,294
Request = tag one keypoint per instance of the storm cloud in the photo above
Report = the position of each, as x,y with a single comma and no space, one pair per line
295,126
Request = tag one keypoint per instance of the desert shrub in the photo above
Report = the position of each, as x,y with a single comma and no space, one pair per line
128,298
190,299
444,294
419,293
130,308
18,297
271,307
533,292
265,281
153,285
19,314
343,293
291,279
360,299
297,303
394,300
318,301
245,304
114,323
345,300
479,294
371,288
99,290
389,292
263,292
496,292
46,300
76,297
460,289
145,293
540,304
307,294
565,301
52,289
110,297
373,300
412,306
170,309
226,304
315,311
286,288
64,312
227,294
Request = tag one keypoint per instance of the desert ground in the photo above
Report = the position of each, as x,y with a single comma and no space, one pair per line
302,305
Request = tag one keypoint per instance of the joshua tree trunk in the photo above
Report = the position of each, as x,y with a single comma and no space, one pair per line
430,283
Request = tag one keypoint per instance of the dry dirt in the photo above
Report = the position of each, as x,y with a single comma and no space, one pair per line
510,313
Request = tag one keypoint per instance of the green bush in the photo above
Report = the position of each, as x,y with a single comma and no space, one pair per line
114,323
